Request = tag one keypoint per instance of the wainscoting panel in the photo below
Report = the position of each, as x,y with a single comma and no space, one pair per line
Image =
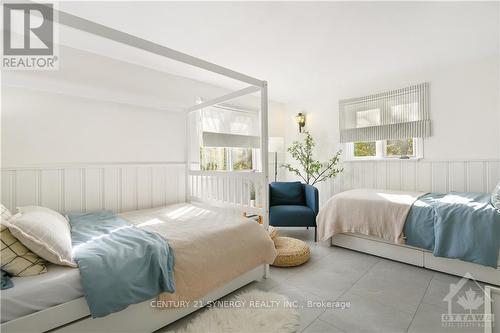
51,189
421,175
117,187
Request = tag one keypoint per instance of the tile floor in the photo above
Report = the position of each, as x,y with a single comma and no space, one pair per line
385,296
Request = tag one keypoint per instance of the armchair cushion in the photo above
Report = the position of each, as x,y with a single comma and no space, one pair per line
312,197
291,216
286,193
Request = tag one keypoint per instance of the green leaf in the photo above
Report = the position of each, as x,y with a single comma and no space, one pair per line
313,171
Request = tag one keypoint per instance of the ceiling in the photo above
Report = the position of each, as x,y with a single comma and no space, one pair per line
304,50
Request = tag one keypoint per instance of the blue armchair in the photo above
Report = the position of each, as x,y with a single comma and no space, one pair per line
293,204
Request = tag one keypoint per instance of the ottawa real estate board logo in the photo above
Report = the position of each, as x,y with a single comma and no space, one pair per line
466,301
28,37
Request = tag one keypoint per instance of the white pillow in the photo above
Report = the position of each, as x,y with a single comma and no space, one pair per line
45,232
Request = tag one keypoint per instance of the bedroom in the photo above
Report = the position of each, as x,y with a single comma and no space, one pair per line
159,125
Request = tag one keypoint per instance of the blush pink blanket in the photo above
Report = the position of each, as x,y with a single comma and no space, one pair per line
379,213
210,247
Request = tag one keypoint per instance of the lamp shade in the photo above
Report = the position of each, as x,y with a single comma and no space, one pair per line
276,144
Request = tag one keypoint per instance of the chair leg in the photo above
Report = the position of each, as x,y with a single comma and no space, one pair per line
315,234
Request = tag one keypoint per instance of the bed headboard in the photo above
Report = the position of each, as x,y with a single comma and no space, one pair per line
117,186
241,191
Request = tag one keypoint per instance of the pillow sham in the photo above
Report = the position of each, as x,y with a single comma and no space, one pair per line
495,197
15,258
45,232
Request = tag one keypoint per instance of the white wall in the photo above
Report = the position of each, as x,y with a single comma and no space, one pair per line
99,110
44,128
464,106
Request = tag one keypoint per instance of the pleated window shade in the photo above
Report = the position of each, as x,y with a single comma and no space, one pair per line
392,115
227,127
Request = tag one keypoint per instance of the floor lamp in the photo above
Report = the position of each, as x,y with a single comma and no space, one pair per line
276,145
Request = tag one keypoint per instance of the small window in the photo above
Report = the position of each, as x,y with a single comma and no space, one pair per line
385,149
228,159
213,159
399,148
365,149
241,159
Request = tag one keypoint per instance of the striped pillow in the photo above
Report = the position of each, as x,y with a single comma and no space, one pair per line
15,258
495,197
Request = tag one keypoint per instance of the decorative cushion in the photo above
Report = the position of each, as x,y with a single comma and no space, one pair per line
45,232
291,252
15,258
287,193
291,216
495,197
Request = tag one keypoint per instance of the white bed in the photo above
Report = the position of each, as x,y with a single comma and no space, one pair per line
37,297
372,221
416,256
31,294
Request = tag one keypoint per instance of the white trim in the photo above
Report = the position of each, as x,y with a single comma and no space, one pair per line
136,318
415,256
229,174
84,165
222,99
188,158
77,187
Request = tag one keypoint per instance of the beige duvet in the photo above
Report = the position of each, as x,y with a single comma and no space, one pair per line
210,247
379,213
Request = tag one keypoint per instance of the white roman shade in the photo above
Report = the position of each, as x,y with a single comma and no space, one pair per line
392,115
230,127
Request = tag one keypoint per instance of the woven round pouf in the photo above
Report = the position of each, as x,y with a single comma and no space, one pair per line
273,232
291,252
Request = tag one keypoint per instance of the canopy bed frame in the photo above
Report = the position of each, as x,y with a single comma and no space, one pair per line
224,189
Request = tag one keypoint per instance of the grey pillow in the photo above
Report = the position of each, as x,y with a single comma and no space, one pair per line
495,197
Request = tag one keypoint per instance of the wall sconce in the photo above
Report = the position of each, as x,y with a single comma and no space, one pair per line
301,121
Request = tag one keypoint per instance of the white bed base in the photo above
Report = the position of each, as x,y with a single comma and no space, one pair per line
74,316
416,256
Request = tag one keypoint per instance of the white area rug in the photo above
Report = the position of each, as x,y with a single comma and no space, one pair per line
253,311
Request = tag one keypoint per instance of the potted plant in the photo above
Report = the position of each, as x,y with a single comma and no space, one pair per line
313,171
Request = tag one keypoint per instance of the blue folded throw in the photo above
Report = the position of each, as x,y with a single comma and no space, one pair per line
119,263
456,225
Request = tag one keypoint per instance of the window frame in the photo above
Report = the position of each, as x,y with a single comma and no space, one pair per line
229,159
381,154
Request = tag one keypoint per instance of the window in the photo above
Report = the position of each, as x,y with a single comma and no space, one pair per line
399,148
227,159
241,159
385,149
365,149
394,114
213,159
